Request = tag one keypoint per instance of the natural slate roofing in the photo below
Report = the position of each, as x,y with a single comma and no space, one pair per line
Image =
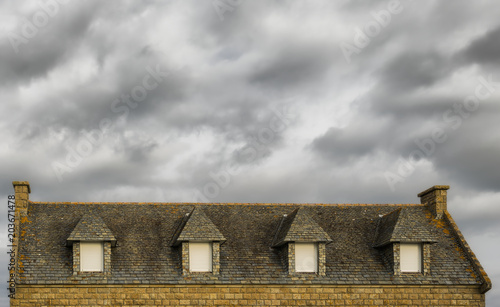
144,256
196,226
403,225
299,227
91,228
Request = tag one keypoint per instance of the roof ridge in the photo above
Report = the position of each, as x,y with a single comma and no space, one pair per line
223,204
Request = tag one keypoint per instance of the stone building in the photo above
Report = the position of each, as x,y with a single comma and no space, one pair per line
242,254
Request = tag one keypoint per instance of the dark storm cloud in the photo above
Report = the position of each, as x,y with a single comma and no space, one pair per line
85,106
471,155
235,28
26,57
344,145
293,65
137,150
222,80
411,71
391,125
486,49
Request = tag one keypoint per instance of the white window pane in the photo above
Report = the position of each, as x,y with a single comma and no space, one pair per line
306,257
200,257
91,256
411,257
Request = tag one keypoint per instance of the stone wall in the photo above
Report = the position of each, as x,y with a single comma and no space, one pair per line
246,295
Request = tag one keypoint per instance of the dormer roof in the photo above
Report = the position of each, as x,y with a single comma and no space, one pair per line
403,225
196,226
298,226
91,228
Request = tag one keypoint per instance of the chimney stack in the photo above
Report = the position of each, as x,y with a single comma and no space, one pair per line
435,199
22,190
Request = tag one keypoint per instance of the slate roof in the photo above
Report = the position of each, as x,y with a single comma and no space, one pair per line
144,254
91,228
196,226
404,225
299,227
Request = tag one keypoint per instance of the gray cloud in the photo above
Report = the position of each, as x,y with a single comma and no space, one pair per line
352,121
486,49
45,47
345,145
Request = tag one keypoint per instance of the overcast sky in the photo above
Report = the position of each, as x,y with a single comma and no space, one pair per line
255,101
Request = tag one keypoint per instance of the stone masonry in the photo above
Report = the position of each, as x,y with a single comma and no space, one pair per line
146,254
248,295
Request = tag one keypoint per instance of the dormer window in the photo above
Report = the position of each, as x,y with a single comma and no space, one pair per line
200,256
200,242
411,258
301,243
404,240
306,257
91,241
91,257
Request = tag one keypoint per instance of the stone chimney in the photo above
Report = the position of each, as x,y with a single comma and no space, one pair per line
435,199
22,190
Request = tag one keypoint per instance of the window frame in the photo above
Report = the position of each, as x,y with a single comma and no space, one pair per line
83,256
206,267
299,250
406,250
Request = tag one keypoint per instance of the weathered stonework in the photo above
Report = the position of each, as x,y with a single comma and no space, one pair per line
396,250
253,264
22,190
321,259
288,254
185,258
435,198
106,261
76,258
215,259
392,256
426,259
247,295
291,257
